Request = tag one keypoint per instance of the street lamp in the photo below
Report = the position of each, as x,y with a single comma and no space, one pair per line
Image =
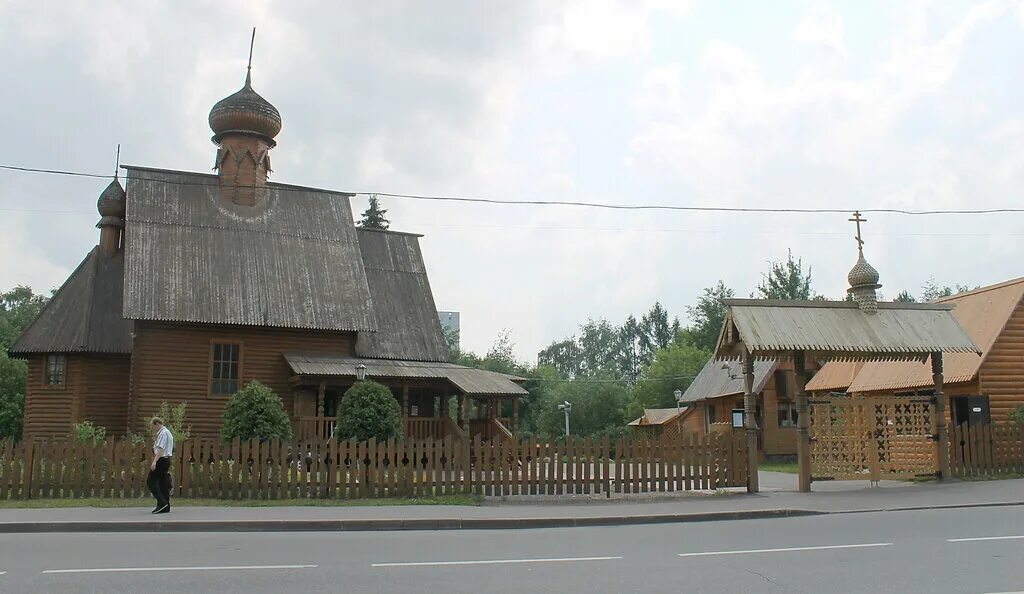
679,398
360,372
565,407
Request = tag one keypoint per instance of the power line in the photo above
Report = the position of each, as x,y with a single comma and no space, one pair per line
571,203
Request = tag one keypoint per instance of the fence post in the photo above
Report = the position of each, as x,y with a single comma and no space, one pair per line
940,417
29,466
750,421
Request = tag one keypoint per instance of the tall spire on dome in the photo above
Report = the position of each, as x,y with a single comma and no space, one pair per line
863,277
244,126
112,205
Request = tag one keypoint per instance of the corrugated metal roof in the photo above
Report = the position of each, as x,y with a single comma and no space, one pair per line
85,313
474,382
293,261
725,378
407,322
658,416
983,313
839,330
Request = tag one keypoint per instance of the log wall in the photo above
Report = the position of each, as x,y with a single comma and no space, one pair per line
1002,374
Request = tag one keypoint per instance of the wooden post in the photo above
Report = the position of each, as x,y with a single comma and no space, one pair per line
463,411
405,400
803,438
515,415
940,417
749,421
320,395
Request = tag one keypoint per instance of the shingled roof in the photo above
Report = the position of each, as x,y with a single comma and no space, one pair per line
292,261
983,313
725,378
85,313
407,322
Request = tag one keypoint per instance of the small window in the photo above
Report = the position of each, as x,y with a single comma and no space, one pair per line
711,414
56,365
224,375
787,413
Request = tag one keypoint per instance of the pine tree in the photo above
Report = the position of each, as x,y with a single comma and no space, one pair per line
373,217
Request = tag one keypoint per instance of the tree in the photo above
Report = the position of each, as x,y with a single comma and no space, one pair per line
597,408
564,357
930,290
373,217
786,280
255,412
18,308
629,350
707,317
451,338
673,369
905,297
655,332
368,410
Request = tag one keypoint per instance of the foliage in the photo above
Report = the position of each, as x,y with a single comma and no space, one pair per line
255,411
368,410
374,216
18,308
1017,415
597,408
656,332
451,338
174,420
673,369
930,290
707,317
905,297
786,280
87,433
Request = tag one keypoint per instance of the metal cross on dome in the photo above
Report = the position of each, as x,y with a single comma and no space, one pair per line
858,219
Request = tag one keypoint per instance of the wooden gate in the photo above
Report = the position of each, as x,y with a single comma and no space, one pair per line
872,438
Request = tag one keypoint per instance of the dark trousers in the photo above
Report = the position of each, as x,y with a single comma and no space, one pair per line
159,482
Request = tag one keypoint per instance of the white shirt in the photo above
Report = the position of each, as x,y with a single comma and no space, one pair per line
164,440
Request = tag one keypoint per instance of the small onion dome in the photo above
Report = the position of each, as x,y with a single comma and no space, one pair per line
863,274
245,112
112,203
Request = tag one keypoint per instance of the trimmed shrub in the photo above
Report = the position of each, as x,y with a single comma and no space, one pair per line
1017,416
87,433
369,411
255,412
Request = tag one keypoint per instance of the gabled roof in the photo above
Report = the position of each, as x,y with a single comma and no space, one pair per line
658,416
983,313
407,322
840,330
293,261
474,382
725,378
85,313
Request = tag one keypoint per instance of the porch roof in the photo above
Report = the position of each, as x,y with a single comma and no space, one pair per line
469,381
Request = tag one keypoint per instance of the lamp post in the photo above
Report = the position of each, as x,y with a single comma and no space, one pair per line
360,372
565,407
679,398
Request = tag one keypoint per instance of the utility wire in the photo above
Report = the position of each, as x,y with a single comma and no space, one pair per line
572,203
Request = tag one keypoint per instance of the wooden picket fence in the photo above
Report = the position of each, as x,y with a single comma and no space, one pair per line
276,469
986,450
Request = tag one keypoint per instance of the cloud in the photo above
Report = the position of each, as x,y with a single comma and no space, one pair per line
822,27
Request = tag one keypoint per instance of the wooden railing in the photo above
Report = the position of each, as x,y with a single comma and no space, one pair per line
490,429
275,469
310,428
424,427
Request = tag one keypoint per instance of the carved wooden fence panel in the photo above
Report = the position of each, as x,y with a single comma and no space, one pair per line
986,450
274,469
872,438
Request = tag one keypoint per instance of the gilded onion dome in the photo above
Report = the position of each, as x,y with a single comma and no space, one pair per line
245,112
112,204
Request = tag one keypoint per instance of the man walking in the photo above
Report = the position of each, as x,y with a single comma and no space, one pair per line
159,481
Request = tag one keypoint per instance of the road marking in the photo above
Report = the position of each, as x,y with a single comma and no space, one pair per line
980,538
202,568
494,562
822,548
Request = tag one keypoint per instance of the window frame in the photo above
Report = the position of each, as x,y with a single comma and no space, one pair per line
63,358
214,343
789,406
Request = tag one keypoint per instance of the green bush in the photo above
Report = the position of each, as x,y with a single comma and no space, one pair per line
368,411
1017,416
87,433
255,412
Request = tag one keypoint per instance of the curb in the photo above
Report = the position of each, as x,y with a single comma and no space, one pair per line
368,525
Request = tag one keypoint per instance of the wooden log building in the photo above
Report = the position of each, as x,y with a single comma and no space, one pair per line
200,283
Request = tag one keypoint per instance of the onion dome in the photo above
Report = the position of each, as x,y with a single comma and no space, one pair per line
112,205
863,274
245,112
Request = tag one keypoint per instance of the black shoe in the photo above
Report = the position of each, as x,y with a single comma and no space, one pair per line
155,510
165,508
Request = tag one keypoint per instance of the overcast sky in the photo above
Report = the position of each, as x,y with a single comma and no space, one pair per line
788,104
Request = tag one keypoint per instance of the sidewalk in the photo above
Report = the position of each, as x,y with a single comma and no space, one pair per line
777,499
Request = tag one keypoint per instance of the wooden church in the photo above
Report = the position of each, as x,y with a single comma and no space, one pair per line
200,283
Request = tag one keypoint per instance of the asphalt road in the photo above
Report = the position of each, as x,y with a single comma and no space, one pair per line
914,551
